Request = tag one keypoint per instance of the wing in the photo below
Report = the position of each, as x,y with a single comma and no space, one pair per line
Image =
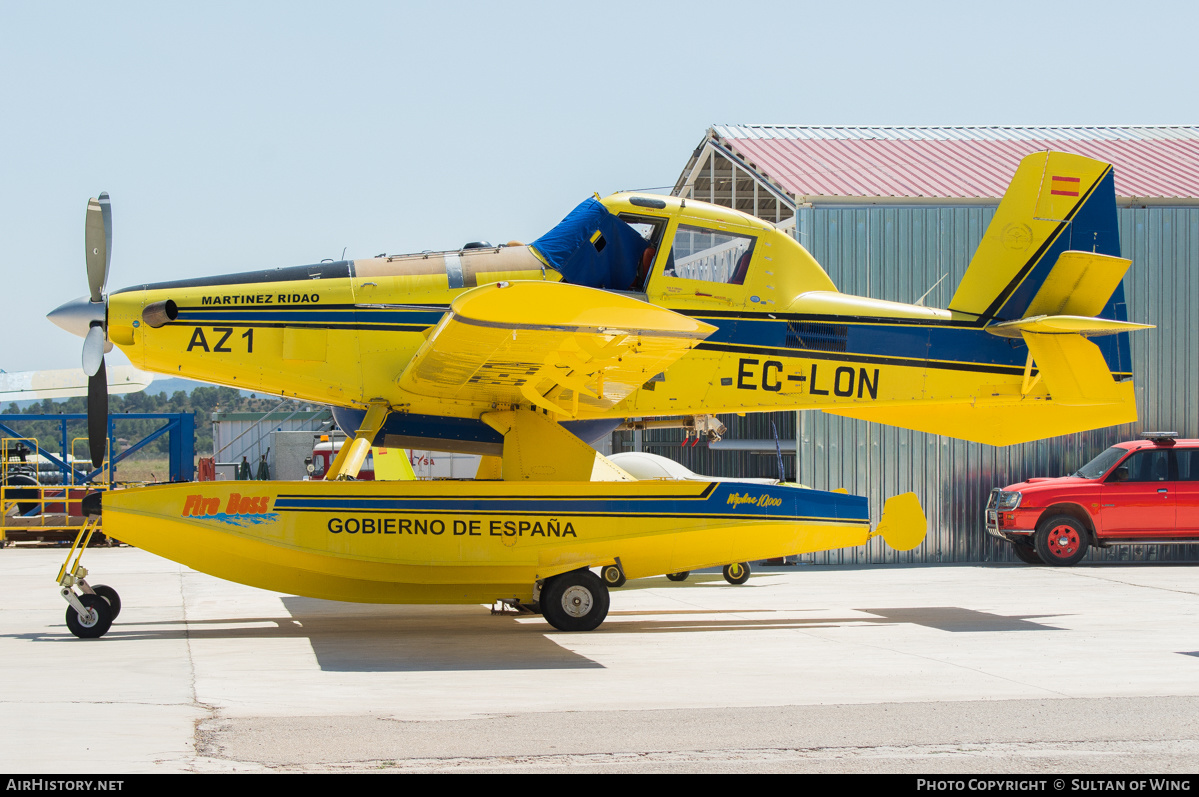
67,382
564,348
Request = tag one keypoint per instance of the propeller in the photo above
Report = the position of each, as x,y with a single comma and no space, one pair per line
97,236
87,317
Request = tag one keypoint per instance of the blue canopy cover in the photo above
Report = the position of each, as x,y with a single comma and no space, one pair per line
607,260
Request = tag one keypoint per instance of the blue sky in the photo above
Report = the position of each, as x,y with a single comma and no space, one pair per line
260,134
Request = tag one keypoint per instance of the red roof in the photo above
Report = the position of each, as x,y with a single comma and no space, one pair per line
1151,162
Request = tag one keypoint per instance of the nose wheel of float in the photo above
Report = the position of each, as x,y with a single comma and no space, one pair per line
90,611
94,621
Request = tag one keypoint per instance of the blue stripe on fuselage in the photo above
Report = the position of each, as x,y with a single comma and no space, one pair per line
725,500
310,314
892,340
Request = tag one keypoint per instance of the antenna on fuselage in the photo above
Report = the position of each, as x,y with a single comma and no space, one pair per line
920,302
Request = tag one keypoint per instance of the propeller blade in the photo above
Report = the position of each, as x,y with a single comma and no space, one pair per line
97,415
93,350
97,236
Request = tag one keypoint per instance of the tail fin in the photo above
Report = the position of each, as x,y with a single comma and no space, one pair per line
1056,202
1053,248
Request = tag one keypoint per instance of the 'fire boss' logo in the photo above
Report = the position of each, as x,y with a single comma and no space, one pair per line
239,511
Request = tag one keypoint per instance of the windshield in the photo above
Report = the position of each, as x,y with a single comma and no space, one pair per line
1101,464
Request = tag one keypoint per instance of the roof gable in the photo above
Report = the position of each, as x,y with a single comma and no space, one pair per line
888,163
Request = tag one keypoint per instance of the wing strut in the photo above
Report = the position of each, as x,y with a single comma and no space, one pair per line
351,456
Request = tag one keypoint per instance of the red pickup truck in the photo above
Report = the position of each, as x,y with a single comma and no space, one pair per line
1144,491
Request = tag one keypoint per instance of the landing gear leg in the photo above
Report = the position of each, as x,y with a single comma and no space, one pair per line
90,612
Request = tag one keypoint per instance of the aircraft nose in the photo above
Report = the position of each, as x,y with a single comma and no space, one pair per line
77,315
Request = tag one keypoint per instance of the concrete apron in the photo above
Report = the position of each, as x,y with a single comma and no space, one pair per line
932,668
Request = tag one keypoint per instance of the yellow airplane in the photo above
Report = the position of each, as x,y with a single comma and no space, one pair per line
633,306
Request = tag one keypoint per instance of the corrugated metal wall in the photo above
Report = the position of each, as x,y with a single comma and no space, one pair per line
899,253
247,434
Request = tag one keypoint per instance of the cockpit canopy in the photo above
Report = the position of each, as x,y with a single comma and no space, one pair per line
675,249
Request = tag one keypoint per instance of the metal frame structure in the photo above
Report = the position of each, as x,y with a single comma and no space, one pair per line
179,426
53,512
717,175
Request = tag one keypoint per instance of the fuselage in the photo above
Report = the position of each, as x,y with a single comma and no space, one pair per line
342,333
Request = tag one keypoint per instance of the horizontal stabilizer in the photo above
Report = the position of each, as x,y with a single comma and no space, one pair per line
1079,284
549,344
1063,325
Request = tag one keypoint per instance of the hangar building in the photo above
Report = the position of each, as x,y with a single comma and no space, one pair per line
896,213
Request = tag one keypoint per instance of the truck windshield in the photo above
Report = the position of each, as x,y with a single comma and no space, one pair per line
1101,464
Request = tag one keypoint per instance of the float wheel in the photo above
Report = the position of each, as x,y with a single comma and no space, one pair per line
613,576
737,572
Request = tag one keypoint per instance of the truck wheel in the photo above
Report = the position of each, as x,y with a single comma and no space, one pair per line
1026,553
575,601
1061,541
